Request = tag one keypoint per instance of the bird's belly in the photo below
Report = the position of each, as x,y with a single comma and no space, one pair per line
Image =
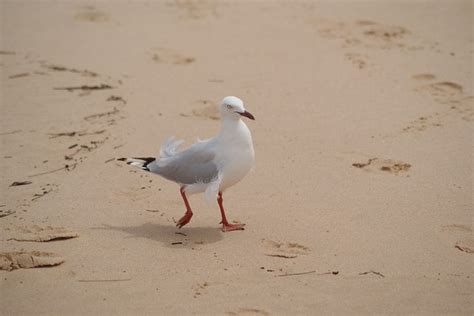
235,170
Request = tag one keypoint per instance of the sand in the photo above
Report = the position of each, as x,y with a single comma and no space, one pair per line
361,198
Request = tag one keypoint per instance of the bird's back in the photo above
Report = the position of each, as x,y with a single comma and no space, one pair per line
194,164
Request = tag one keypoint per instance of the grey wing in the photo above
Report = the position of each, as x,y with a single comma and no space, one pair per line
192,165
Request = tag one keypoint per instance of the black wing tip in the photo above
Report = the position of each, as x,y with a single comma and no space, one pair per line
147,160
144,166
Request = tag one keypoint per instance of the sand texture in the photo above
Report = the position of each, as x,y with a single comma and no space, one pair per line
361,198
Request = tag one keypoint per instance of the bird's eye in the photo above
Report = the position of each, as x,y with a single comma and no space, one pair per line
229,106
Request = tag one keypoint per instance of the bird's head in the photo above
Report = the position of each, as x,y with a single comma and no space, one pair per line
233,108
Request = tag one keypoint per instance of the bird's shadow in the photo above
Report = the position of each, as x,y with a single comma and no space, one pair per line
169,235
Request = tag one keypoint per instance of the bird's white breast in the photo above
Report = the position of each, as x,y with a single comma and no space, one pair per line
236,156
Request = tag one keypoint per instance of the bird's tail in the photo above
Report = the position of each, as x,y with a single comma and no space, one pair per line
168,150
141,163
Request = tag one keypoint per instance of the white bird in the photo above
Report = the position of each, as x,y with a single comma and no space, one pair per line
210,166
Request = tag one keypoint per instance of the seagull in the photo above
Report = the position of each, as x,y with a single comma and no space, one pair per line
210,166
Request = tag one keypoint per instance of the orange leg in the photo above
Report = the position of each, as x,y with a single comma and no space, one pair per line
226,227
189,213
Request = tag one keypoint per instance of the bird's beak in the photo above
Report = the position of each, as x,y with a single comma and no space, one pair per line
247,114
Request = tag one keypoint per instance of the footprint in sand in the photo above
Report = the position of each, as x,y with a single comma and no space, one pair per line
424,77
136,193
200,289
4,213
448,93
424,122
461,236
169,56
6,52
283,249
197,9
442,89
208,110
41,234
383,35
91,14
466,245
249,311
26,260
358,60
465,108
369,34
383,165
362,34
457,228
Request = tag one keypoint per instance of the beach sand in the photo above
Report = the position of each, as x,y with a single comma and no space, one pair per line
361,198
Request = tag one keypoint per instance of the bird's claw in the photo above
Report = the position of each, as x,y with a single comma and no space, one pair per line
184,220
226,227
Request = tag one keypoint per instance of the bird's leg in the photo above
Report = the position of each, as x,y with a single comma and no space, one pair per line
226,227
189,213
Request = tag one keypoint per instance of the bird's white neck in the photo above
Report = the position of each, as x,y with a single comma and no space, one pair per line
237,130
